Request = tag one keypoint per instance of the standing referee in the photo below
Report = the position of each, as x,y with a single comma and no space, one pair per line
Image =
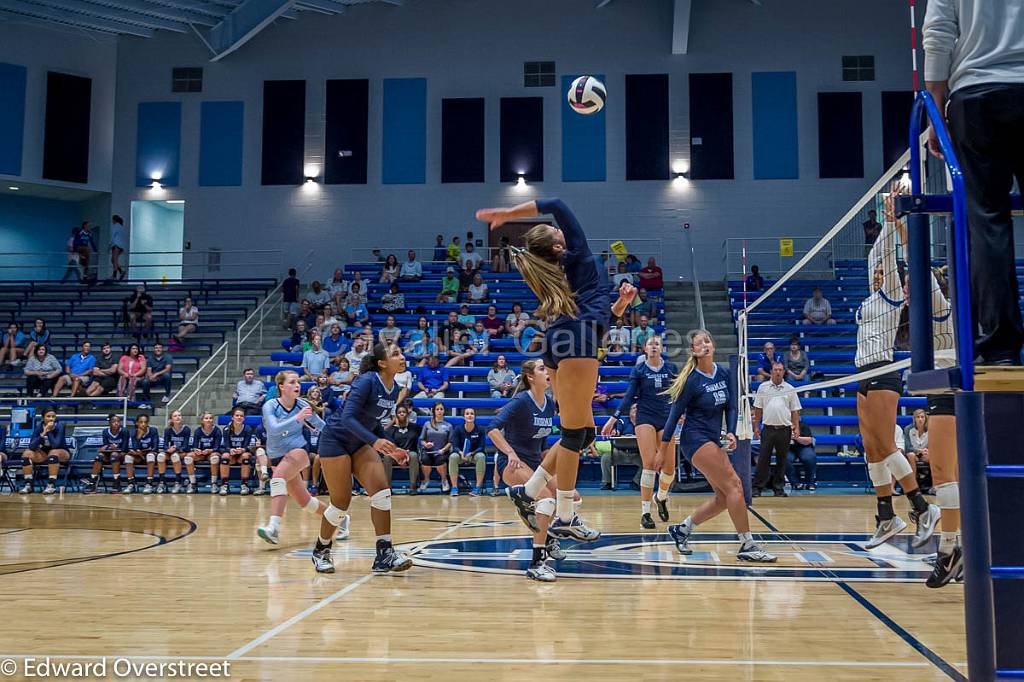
974,55
777,404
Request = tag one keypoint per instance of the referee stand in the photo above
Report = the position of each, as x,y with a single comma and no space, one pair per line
989,407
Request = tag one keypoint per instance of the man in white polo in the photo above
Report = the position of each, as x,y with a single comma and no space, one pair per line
779,408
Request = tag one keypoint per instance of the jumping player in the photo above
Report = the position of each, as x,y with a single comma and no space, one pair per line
177,438
238,438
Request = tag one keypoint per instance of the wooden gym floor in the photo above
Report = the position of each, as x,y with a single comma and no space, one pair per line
162,578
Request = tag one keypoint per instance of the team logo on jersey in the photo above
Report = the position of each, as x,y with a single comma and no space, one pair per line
802,556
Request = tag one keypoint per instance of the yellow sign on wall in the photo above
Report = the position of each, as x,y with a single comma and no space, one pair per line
619,249
786,247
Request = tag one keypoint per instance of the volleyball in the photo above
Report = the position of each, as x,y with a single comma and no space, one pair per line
586,95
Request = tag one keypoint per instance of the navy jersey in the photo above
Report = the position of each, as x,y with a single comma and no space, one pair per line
238,440
260,434
147,442
118,440
587,277
53,440
526,425
312,439
704,399
368,404
466,442
179,440
646,387
201,440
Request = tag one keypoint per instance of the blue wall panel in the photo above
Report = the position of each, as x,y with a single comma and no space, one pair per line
34,225
12,117
405,131
776,150
158,143
583,141
220,144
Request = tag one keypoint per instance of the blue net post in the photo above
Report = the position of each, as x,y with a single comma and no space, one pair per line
741,456
919,250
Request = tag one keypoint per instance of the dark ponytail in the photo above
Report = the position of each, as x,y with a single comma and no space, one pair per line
371,361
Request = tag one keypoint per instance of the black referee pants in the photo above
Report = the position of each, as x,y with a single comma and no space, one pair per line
987,126
774,439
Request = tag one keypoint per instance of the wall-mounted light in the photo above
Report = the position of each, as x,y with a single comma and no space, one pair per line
521,180
156,177
13,188
175,201
310,179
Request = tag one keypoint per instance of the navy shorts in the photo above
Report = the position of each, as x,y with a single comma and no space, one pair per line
890,381
336,444
572,339
690,443
941,406
652,419
501,461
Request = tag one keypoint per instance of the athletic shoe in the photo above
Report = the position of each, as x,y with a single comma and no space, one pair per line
322,560
662,506
117,485
812,487
423,486
389,560
129,489
50,489
444,486
89,486
606,486
541,572
751,551
214,488
475,492
147,489
780,493
575,530
190,488
886,530
342,533
681,536
947,567
756,492
455,491
244,490
525,505
496,491
926,523
25,489
261,490
268,534
224,489
647,522
554,549
161,488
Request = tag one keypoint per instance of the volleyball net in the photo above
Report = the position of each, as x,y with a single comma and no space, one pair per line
843,303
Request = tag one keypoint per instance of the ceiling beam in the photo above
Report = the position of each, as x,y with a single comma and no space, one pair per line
94,23
207,8
105,12
243,23
681,27
327,6
14,18
602,3
153,9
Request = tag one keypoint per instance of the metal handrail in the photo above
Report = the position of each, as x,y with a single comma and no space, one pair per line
22,400
173,403
261,311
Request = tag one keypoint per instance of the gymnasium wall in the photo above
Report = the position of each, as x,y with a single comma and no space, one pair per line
414,57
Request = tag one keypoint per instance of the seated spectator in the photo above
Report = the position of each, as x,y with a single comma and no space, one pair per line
188,316
358,352
802,449
479,338
341,377
532,337
502,261
140,311
130,369
754,280
454,251
389,333
389,271
477,291
41,372
330,319
421,346
465,317
633,263
48,444
356,293
460,350
422,329
466,275
644,304
440,250
356,314
651,277
412,269
765,360
619,336
501,380
250,393
104,374
335,344
467,447
290,298
623,275
434,447
393,301
450,329
431,381
516,320
78,371
317,296
12,352
337,285
314,396
640,334
294,343
38,335
817,309
159,366
405,434
796,362
916,439
494,325
315,361
472,256
317,326
599,403
613,456
306,314
449,288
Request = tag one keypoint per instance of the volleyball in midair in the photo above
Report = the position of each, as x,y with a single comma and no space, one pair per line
586,95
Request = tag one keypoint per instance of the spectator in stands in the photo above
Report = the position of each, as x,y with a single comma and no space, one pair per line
317,296
467,447
341,377
435,444
48,444
159,366
85,245
314,396
130,368
633,263
479,338
41,372
872,228
330,319
405,434
466,318
450,330
250,393
422,329
78,371
478,292
118,245
472,257
377,256
501,379
356,314
460,350
306,314
389,271
765,360
640,334
817,309
802,449
38,335
389,333
358,286
317,326
294,343
140,311
335,344
780,412
619,336
12,352
337,285
358,352
315,361
916,439
754,280
393,301
440,250
431,381
290,298
72,258
623,428
188,316
516,320
454,251
104,374
449,288
412,269
599,404
643,304
494,325
651,277
502,261
796,361
422,345
466,275
623,275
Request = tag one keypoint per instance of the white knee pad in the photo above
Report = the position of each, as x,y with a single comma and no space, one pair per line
546,506
162,457
381,500
176,458
313,506
278,487
949,495
188,460
128,459
334,516
214,460
150,457
879,474
647,478
898,465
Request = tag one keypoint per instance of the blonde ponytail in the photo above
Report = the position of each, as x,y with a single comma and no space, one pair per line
675,389
541,268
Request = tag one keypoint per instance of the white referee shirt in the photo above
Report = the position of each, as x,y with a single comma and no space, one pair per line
776,405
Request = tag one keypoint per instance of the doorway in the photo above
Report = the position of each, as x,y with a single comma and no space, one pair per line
157,237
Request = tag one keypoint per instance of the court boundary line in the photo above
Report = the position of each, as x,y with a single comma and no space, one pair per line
326,601
914,643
